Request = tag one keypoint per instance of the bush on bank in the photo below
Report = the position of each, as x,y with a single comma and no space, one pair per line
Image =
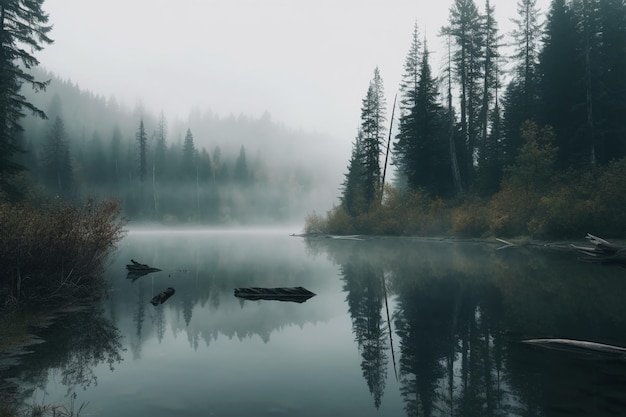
541,204
55,253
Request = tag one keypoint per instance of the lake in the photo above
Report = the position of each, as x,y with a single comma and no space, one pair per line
398,327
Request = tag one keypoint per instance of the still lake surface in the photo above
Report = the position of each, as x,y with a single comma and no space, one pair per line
399,327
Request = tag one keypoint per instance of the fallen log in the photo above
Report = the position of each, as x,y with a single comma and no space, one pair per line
162,297
137,270
598,350
136,266
293,294
602,251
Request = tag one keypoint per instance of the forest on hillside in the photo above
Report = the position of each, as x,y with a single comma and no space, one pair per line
531,142
527,144
211,169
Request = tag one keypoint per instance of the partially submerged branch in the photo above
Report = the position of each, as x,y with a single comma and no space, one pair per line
602,251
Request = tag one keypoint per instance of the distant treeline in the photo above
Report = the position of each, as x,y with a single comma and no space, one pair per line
547,137
92,147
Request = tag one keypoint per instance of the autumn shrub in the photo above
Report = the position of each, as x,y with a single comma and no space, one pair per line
564,212
55,253
609,194
314,223
470,219
510,210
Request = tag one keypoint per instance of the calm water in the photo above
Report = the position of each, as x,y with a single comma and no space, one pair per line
457,313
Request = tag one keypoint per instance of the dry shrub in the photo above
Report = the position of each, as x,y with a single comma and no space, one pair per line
339,222
609,195
470,220
564,213
314,224
56,253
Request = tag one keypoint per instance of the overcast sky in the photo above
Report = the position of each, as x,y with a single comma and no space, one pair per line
307,62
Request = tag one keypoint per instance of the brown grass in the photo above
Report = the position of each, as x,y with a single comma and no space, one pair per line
55,253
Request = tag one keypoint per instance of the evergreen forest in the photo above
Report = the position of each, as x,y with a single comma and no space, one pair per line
520,134
209,169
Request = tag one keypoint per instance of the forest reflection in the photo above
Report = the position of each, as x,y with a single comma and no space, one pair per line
461,311
75,344
433,326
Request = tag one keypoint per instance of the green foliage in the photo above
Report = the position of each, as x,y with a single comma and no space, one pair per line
362,184
24,29
525,182
609,196
421,151
465,28
470,220
55,253
56,166
563,212
534,165
142,142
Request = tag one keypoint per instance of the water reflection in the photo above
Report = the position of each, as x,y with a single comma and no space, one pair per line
462,310
75,345
450,316
364,285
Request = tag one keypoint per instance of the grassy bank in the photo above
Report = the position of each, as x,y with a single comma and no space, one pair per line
55,254
533,201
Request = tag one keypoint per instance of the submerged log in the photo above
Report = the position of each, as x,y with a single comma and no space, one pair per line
593,349
162,297
136,266
137,270
293,294
602,251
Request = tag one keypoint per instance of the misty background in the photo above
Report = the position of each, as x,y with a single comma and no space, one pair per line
281,81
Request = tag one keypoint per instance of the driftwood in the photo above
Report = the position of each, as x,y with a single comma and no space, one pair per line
138,267
602,252
162,297
293,294
593,349
137,270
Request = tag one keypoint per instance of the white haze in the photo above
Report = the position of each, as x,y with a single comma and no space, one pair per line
305,62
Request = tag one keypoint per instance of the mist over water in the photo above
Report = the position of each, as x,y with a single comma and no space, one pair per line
458,312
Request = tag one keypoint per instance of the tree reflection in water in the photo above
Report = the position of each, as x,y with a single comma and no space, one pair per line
365,298
461,310
76,343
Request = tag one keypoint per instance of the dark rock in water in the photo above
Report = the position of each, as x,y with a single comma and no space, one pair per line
293,294
162,297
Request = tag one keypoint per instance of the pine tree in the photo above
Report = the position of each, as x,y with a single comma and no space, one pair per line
353,195
241,173
562,99
95,163
189,153
526,37
55,161
23,27
611,142
587,15
423,155
160,147
491,80
408,97
115,157
373,136
465,30
142,141
451,123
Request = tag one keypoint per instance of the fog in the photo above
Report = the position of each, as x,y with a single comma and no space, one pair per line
283,79
308,63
